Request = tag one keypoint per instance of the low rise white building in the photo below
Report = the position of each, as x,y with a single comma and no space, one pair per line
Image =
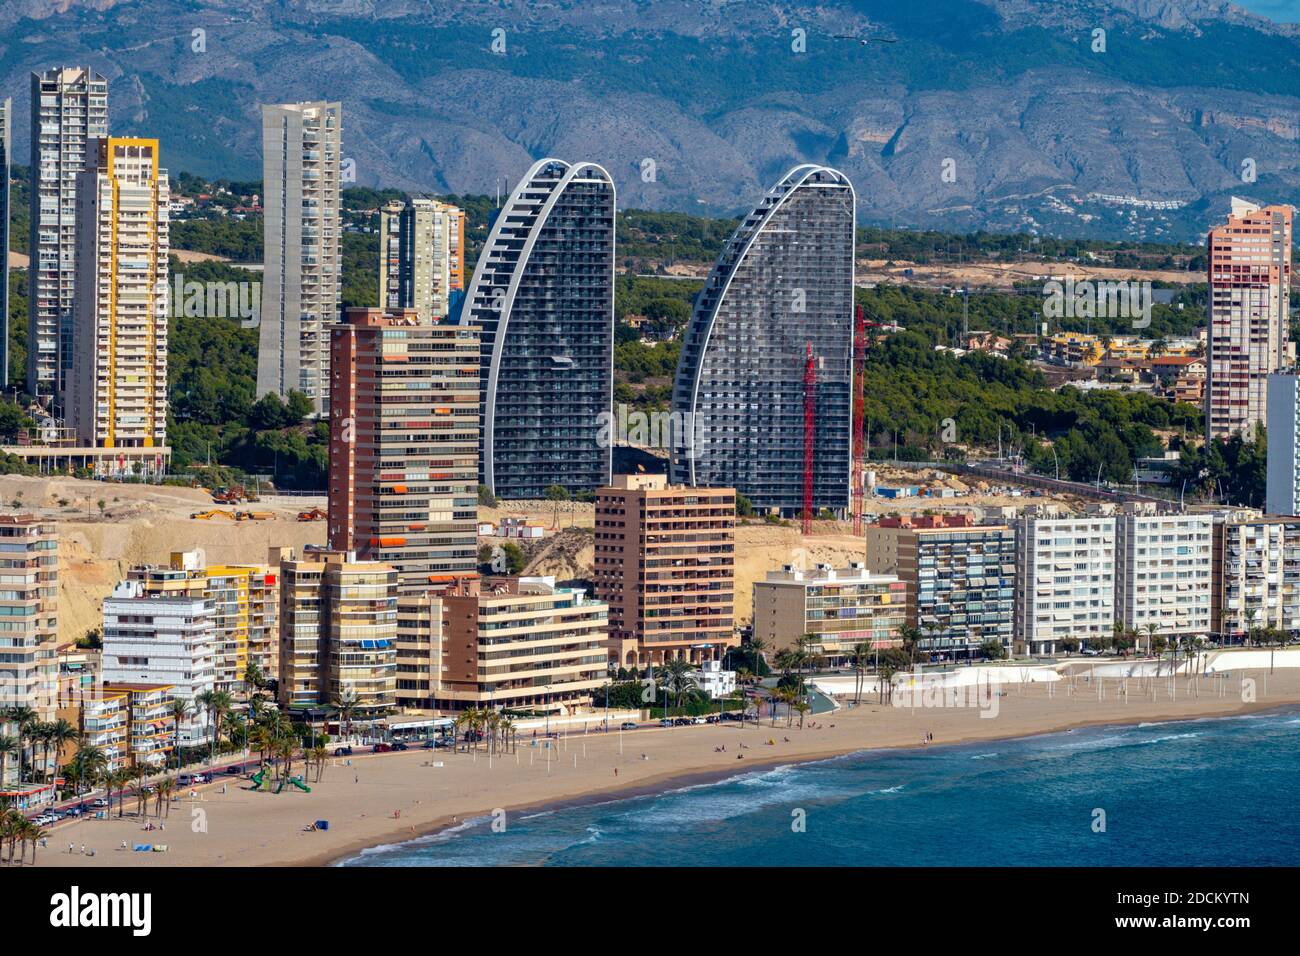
714,681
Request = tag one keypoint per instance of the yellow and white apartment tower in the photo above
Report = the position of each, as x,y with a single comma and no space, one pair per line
118,397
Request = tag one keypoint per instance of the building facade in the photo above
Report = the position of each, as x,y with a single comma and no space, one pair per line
841,608
1249,315
665,561
781,291
960,577
1282,486
150,733
156,640
403,462
543,298
1065,581
1164,575
524,644
69,110
29,625
118,386
302,280
421,263
1256,575
245,601
338,633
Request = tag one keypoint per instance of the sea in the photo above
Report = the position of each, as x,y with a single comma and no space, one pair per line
1205,792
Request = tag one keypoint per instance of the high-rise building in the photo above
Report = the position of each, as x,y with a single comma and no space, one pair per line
29,665
1163,572
1065,580
338,632
118,387
543,297
1249,315
960,577
420,248
161,640
403,461
841,608
665,563
1282,487
522,643
150,729
302,225
69,110
6,158
1256,575
782,287
245,601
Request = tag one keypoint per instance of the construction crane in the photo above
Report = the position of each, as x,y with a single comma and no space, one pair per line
809,426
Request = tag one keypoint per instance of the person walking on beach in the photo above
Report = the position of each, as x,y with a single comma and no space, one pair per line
616,771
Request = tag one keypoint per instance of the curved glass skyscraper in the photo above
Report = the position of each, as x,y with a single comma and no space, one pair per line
543,298
784,282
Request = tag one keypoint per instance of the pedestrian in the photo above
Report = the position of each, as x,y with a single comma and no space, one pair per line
83,849
70,848
356,778
616,771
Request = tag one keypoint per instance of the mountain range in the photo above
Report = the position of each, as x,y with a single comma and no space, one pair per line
950,114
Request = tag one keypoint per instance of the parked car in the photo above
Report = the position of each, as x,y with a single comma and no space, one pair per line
429,745
628,725
383,748
667,722
343,751
234,770
700,720
398,745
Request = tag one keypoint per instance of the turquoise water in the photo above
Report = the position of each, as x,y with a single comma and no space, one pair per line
1206,792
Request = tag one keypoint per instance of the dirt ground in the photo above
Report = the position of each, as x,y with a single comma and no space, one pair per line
1003,275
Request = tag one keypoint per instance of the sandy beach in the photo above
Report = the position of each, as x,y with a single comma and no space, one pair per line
387,798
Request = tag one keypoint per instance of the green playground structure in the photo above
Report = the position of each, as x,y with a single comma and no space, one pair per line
296,781
257,778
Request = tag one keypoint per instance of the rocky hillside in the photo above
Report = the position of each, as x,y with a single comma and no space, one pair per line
1003,114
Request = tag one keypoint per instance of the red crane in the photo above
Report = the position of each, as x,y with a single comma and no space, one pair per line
809,425
859,470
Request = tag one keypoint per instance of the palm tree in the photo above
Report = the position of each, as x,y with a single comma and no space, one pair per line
33,833
678,677
166,787
218,704
345,705
885,672
911,637
22,718
87,762
8,748
757,646
179,711
1152,629
62,733
318,754
138,776
861,654
11,822
803,708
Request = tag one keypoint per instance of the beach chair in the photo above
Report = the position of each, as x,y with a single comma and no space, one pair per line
143,847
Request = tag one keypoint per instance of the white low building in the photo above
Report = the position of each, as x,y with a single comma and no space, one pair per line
714,681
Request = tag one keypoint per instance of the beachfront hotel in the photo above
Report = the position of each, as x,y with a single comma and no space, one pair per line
543,297
245,600
1249,315
664,562
338,632
1164,573
302,277
781,291
1065,580
29,624
840,607
102,718
403,455
524,644
150,733
421,256
69,111
117,384
960,577
161,640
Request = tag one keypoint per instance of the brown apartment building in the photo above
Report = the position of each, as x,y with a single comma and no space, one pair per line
665,564
403,459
